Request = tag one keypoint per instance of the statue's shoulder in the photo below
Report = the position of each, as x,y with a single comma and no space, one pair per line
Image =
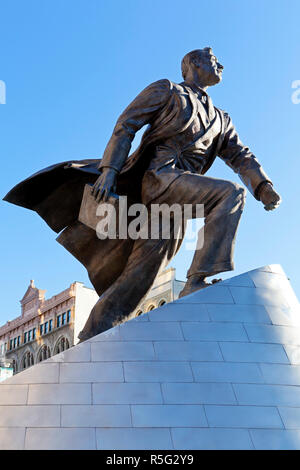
162,84
167,85
224,113
178,87
162,88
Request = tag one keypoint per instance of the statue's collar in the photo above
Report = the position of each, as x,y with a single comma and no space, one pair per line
196,88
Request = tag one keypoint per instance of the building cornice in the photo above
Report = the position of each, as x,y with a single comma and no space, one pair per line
45,306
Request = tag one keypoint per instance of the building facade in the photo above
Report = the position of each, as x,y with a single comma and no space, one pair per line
45,326
165,289
49,326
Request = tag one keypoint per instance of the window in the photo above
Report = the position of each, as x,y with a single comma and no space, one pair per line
58,321
25,337
152,307
19,341
62,345
33,333
11,344
140,312
46,327
161,303
27,360
29,335
44,353
68,316
63,318
41,330
50,324
15,342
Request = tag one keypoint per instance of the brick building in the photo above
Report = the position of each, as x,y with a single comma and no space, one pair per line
45,326
49,326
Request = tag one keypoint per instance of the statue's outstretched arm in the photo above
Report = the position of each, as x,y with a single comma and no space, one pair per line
243,161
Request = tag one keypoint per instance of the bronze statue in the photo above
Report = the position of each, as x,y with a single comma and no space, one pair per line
185,134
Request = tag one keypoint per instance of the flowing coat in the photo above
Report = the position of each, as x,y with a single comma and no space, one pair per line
55,193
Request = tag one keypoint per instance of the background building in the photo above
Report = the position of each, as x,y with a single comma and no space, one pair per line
45,326
165,289
49,326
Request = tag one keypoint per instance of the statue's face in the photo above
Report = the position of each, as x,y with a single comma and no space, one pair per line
208,69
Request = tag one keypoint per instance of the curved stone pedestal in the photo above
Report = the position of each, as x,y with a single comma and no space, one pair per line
218,369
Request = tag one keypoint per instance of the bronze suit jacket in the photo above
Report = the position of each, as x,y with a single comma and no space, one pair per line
163,106
55,192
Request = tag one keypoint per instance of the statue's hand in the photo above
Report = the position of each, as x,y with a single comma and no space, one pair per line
269,197
105,184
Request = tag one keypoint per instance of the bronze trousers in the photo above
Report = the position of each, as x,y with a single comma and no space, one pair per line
223,205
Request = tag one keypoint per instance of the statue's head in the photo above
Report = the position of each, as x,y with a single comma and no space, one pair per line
201,65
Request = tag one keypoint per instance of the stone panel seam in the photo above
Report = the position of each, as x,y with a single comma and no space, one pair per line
251,440
181,330
229,289
92,393
206,418
233,390
123,371
171,437
25,435
95,437
155,355
283,346
251,362
279,342
98,447
246,332
221,352
161,392
193,375
283,425
261,372
207,311
90,351
27,394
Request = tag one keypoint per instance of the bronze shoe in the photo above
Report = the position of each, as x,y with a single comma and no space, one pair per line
196,283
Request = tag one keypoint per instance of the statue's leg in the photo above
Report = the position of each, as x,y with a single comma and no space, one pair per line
222,217
118,302
223,203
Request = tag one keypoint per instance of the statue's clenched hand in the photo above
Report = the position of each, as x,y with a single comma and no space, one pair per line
105,184
269,197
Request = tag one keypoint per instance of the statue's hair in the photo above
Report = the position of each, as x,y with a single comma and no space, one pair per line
190,56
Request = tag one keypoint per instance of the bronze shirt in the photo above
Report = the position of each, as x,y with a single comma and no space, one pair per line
188,151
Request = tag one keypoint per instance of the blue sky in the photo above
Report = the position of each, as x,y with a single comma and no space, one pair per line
71,67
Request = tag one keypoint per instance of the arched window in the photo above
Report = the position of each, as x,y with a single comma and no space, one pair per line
140,312
151,307
44,353
162,302
27,360
62,345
